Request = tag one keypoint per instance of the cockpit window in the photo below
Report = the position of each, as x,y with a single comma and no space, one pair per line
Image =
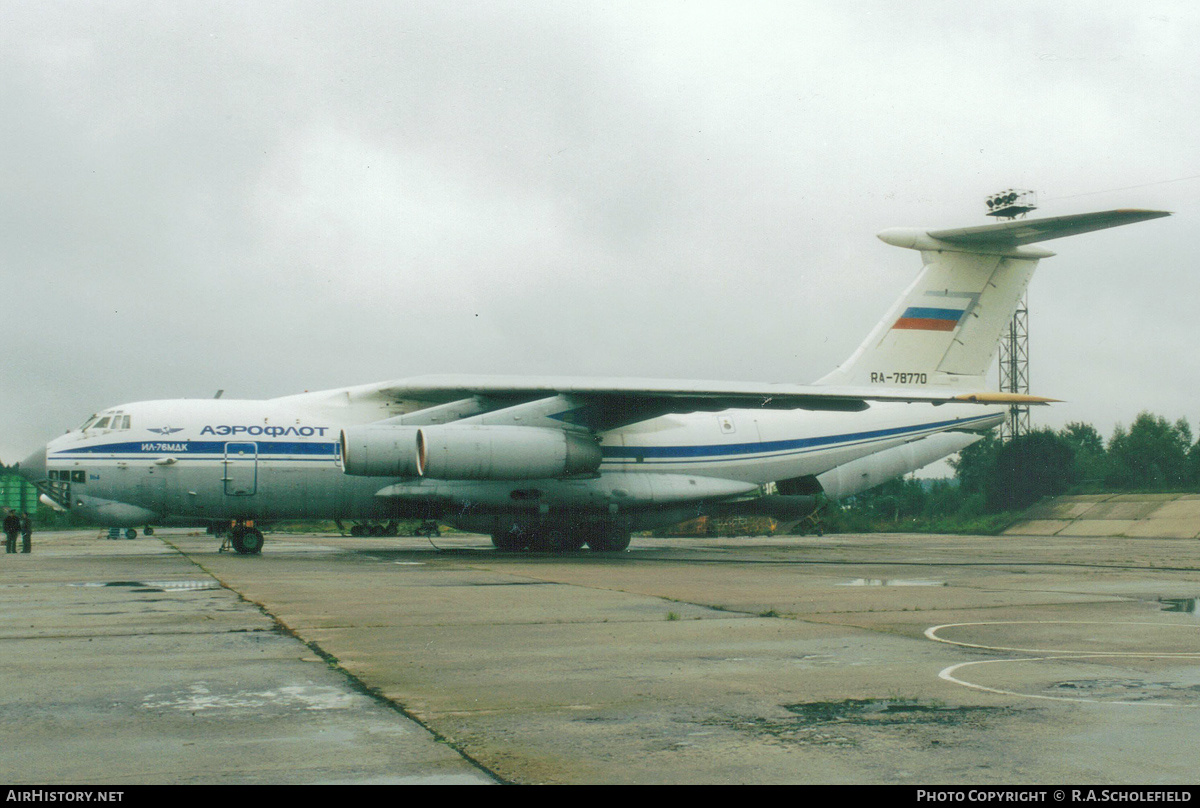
117,421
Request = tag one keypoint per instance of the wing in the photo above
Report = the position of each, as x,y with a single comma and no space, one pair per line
607,403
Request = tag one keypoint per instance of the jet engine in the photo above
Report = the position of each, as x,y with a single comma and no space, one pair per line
381,450
469,452
466,452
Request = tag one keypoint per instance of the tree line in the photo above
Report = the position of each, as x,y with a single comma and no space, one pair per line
994,478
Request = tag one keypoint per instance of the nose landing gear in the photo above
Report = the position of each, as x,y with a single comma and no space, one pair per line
244,538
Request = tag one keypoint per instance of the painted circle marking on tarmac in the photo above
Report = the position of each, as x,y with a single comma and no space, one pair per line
948,674
932,633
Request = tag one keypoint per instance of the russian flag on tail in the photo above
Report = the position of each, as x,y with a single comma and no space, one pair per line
920,318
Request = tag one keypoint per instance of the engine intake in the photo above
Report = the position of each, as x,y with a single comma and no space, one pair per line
381,450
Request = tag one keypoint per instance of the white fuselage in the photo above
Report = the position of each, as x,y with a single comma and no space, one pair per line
212,459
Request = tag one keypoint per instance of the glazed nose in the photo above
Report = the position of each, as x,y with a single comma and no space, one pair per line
33,468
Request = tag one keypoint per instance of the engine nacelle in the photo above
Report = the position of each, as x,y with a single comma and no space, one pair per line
475,452
466,452
381,450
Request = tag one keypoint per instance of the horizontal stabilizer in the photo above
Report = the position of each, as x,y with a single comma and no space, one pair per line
1031,231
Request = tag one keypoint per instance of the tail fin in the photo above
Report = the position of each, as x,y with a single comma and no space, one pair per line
946,327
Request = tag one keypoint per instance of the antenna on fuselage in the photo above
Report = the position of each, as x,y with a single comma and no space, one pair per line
1014,346
219,394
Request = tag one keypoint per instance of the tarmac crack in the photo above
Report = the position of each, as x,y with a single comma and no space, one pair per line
353,681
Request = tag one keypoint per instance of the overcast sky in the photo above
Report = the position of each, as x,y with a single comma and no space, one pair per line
270,197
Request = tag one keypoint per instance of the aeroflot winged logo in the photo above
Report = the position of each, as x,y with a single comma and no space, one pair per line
166,430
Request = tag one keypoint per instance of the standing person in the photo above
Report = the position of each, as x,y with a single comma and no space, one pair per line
26,533
12,526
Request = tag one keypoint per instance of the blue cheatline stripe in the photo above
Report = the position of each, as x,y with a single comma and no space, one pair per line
920,313
725,450
299,449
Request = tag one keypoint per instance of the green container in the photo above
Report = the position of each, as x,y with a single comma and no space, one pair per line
18,494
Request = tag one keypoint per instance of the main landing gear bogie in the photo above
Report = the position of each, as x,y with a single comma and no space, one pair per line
598,539
374,529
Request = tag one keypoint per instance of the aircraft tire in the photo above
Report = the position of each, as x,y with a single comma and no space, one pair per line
568,541
609,540
248,541
573,543
131,533
554,540
509,542
149,531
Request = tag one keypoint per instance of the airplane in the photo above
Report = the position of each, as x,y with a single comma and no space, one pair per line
557,464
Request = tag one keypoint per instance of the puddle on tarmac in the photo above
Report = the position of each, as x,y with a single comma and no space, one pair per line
158,586
199,697
890,582
1128,690
851,722
873,711
1185,605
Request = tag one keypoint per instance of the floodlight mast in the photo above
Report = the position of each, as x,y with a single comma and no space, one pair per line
1014,346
